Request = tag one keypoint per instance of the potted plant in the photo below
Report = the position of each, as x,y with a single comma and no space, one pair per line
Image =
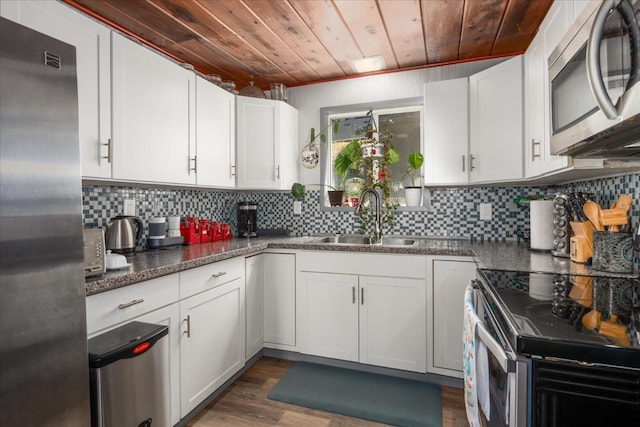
347,161
413,192
335,196
297,191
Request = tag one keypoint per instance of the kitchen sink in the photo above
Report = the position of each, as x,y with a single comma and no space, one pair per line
363,240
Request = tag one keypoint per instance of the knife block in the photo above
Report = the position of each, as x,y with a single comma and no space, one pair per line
580,249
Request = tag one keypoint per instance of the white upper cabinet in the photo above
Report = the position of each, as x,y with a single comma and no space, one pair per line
538,157
92,42
215,135
446,131
495,123
539,161
536,141
267,147
153,125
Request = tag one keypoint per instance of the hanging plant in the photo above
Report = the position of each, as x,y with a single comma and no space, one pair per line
310,154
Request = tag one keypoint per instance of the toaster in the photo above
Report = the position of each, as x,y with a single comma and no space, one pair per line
94,251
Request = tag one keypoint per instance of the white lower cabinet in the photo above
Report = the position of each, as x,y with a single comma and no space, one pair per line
330,310
170,317
211,342
151,301
447,282
254,294
280,300
378,320
204,309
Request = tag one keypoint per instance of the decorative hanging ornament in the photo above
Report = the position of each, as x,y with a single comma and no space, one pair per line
310,156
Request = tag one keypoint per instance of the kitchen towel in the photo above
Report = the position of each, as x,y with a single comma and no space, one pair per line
475,359
541,223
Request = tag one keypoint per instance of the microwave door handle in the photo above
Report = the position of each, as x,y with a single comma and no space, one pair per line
629,17
593,52
593,60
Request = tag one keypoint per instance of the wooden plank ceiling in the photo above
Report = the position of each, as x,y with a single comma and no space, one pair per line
306,41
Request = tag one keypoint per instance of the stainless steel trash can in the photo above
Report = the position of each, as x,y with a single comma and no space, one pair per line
129,370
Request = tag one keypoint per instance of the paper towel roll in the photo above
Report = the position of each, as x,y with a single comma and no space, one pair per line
541,224
540,286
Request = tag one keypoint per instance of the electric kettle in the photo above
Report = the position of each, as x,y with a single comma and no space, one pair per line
123,233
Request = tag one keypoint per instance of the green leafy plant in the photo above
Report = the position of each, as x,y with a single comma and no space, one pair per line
321,134
349,159
415,161
298,190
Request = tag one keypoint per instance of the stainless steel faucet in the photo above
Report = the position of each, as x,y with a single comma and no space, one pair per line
378,225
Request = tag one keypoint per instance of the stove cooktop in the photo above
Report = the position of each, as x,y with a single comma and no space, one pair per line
581,318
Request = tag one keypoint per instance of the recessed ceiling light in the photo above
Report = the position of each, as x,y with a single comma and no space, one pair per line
366,65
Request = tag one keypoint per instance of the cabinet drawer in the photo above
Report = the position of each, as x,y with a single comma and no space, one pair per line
209,276
122,304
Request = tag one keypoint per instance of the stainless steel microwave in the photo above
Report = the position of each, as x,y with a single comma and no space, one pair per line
595,83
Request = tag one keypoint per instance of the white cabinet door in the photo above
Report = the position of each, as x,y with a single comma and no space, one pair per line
495,124
254,296
446,136
393,323
215,135
330,314
279,300
211,342
93,48
553,28
450,278
153,130
266,134
535,133
170,317
256,143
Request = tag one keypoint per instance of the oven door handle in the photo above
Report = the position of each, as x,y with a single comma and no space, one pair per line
506,363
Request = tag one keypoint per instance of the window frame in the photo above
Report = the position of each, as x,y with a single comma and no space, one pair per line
384,107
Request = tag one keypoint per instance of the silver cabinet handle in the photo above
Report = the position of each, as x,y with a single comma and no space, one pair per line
195,164
278,172
353,295
464,163
129,304
218,274
534,143
188,320
361,296
233,170
108,156
471,161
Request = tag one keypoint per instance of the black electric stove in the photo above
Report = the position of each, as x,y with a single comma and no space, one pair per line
591,320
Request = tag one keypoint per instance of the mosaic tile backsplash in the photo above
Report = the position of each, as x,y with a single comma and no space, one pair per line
450,212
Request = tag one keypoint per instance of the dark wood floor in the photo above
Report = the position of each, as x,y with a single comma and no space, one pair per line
245,403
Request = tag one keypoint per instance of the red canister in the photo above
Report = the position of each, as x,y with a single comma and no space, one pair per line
203,227
214,231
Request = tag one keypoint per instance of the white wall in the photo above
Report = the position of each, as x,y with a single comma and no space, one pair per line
310,99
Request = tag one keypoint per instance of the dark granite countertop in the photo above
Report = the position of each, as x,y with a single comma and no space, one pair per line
488,255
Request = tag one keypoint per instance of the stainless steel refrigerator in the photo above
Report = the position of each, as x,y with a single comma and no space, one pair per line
44,373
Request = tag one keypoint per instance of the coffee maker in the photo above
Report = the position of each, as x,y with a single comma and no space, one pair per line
247,219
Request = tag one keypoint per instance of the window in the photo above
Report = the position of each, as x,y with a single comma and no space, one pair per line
401,121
